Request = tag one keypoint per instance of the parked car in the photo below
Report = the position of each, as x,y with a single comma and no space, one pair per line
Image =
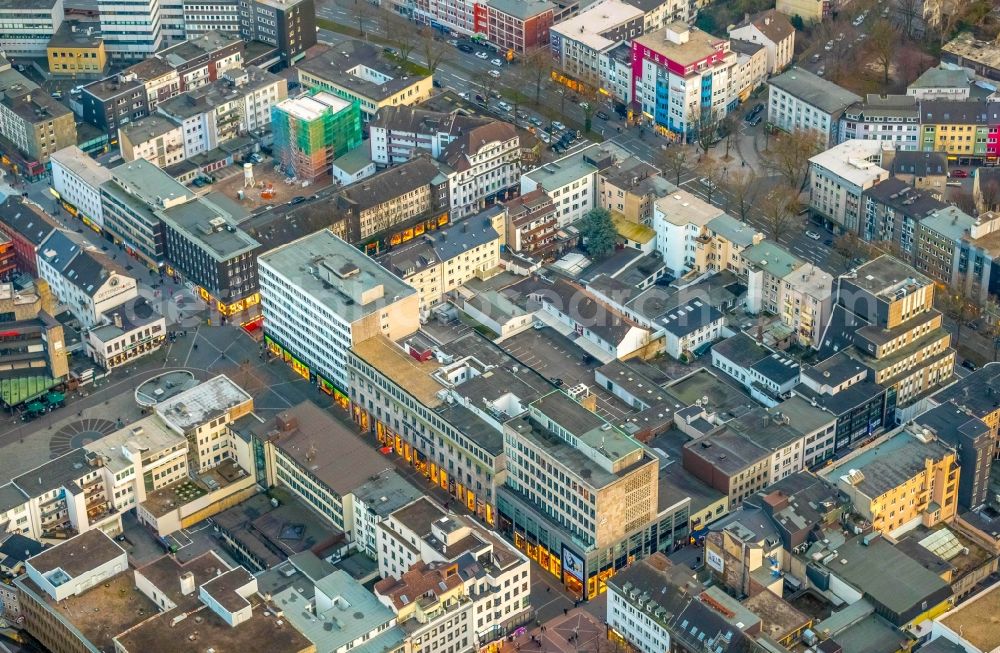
504,106
821,71
813,235
708,183
482,55
959,174
464,95
558,125
828,46
755,121
298,199
453,42
536,121
494,73
969,365
437,84
465,47
497,62
603,115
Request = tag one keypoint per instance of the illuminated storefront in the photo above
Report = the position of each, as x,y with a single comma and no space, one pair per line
325,385
392,442
232,308
583,574
398,237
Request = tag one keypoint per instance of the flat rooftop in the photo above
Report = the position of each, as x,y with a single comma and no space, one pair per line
202,402
976,620
150,184
885,275
312,107
682,207
81,165
589,26
336,275
149,435
78,555
723,399
699,44
214,229
401,368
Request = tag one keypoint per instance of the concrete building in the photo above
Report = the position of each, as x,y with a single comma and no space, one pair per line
892,211
483,166
77,49
25,226
28,26
532,224
679,220
768,376
438,263
660,13
798,100
682,76
973,394
376,499
311,131
799,293
120,99
126,335
901,480
518,26
956,249
750,71
203,58
203,414
88,283
924,171
965,129
970,437
595,471
321,296
773,30
399,131
77,179
837,179
155,138
34,355
629,187
577,43
33,126
358,72
288,27
690,328
721,244
131,32
965,50
616,72
893,120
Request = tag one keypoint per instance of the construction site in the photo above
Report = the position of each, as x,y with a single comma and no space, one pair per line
262,185
311,131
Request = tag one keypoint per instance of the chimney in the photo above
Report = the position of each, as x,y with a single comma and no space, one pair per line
187,583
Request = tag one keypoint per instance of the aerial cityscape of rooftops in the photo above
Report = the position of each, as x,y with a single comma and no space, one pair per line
498,326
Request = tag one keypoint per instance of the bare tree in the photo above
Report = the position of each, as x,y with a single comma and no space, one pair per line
675,160
965,201
402,32
780,210
364,12
908,11
788,155
742,188
536,66
488,83
434,50
955,305
989,195
588,103
706,132
713,173
883,46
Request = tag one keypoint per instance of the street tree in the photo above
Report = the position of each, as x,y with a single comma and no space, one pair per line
788,155
956,306
706,132
712,174
435,51
883,44
675,160
989,195
964,200
780,209
742,188
402,32
488,83
364,12
599,233
588,103
536,67
908,11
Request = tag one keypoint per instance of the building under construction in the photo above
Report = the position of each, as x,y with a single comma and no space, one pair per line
313,130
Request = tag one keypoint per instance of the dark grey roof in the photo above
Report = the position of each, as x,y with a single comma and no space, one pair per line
58,250
333,63
56,473
951,423
834,370
942,645
979,392
839,331
954,112
903,198
85,270
25,220
389,184
745,47
598,319
845,400
777,368
689,317
10,497
17,548
728,451
920,164
814,90
742,350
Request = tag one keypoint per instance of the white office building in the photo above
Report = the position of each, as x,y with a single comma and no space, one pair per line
130,28
76,180
798,100
838,177
321,295
26,27
679,220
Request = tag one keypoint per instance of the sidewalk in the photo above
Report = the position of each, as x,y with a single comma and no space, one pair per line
578,631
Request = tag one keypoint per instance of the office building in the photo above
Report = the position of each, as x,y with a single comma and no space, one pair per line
838,177
76,180
203,58
359,72
399,131
76,49
772,30
32,127
577,43
320,297
155,138
28,26
970,437
204,245
517,27
132,200
679,220
311,131
131,31
798,100
961,251
119,100
903,479
580,495
288,27
682,77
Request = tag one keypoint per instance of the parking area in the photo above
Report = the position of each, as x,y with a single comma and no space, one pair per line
554,355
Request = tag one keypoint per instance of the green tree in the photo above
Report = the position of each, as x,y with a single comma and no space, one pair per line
599,233
797,22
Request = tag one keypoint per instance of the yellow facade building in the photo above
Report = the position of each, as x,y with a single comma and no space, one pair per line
904,479
77,49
